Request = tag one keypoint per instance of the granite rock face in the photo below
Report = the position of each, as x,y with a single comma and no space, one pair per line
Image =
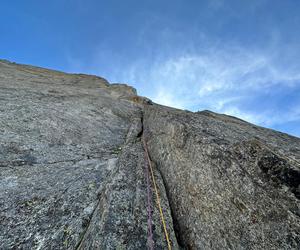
230,184
73,170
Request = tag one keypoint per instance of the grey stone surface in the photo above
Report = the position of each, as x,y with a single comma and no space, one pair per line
71,163
72,170
230,184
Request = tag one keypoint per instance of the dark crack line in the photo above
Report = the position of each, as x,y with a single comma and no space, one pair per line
24,163
83,235
82,238
175,224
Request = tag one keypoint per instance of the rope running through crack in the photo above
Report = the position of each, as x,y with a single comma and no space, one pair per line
157,196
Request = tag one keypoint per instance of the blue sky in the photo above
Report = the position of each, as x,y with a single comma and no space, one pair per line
236,57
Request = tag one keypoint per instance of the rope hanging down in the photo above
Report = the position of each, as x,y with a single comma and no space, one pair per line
157,195
149,207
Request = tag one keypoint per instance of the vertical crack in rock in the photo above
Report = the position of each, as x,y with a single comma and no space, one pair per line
115,209
120,217
220,198
72,170
83,235
164,195
176,226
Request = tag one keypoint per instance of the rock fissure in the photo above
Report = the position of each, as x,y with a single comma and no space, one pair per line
163,186
220,187
82,236
21,163
175,224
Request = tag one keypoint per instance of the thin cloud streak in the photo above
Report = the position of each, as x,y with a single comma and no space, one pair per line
216,80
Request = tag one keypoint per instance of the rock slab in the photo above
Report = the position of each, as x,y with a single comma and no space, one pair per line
72,170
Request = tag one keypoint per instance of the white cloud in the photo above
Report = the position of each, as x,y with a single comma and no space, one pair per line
165,98
247,116
266,118
218,80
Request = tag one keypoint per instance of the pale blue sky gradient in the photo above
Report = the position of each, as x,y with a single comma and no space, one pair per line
236,57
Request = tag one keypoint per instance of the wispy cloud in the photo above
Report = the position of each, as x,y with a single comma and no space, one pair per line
266,118
229,80
219,80
199,69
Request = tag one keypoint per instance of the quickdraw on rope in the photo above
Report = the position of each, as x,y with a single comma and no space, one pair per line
157,195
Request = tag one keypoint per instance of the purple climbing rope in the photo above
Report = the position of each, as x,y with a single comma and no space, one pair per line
149,207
